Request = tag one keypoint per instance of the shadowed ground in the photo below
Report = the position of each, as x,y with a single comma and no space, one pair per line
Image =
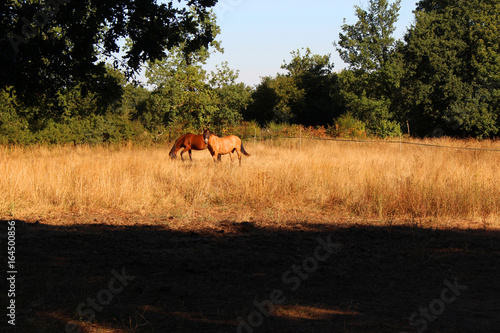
224,276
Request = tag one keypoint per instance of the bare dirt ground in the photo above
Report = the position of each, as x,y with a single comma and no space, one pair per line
103,273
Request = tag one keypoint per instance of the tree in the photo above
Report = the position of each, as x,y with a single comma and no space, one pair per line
264,100
313,75
187,95
305,94
180,94
368,44
55,44
232,98
13,129
374,73
276,99
452,54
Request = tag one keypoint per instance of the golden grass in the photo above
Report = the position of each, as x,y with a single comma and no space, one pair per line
280,181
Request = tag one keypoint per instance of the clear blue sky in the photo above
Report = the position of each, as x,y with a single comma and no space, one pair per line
258,35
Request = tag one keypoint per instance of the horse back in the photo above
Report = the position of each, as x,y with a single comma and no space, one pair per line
197,142
227,144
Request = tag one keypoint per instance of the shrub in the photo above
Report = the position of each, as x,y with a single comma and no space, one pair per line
346,126
386,129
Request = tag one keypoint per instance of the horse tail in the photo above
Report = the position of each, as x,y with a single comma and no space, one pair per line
243,150
173,150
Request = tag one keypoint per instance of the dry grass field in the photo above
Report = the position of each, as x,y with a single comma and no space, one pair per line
122,239
281,182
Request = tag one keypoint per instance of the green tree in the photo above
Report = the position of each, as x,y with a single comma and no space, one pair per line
135,97
181,94
49,45
452,54
368,44
262,105
374,73
276,99
232,98
305,94
186,95
13,129
313,75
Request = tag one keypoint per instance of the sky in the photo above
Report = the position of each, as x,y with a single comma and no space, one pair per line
259,35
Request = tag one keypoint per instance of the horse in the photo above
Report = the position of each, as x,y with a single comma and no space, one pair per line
188,142
222,146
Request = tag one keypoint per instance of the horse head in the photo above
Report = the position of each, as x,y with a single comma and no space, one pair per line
206,135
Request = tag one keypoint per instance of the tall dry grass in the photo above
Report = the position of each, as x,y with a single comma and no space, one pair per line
281,180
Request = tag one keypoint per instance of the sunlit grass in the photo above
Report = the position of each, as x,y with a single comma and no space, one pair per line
280,180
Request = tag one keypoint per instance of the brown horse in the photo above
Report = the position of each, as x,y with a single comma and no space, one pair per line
188,142
222,146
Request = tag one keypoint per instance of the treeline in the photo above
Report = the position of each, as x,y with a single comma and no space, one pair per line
442,79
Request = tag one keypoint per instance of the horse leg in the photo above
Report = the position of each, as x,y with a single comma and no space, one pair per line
216,157
188,150
239,155
190,157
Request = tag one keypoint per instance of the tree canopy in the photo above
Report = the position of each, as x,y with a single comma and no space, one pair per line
305,94
54,44
368,44
66,70
452,54
368,47
186,94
